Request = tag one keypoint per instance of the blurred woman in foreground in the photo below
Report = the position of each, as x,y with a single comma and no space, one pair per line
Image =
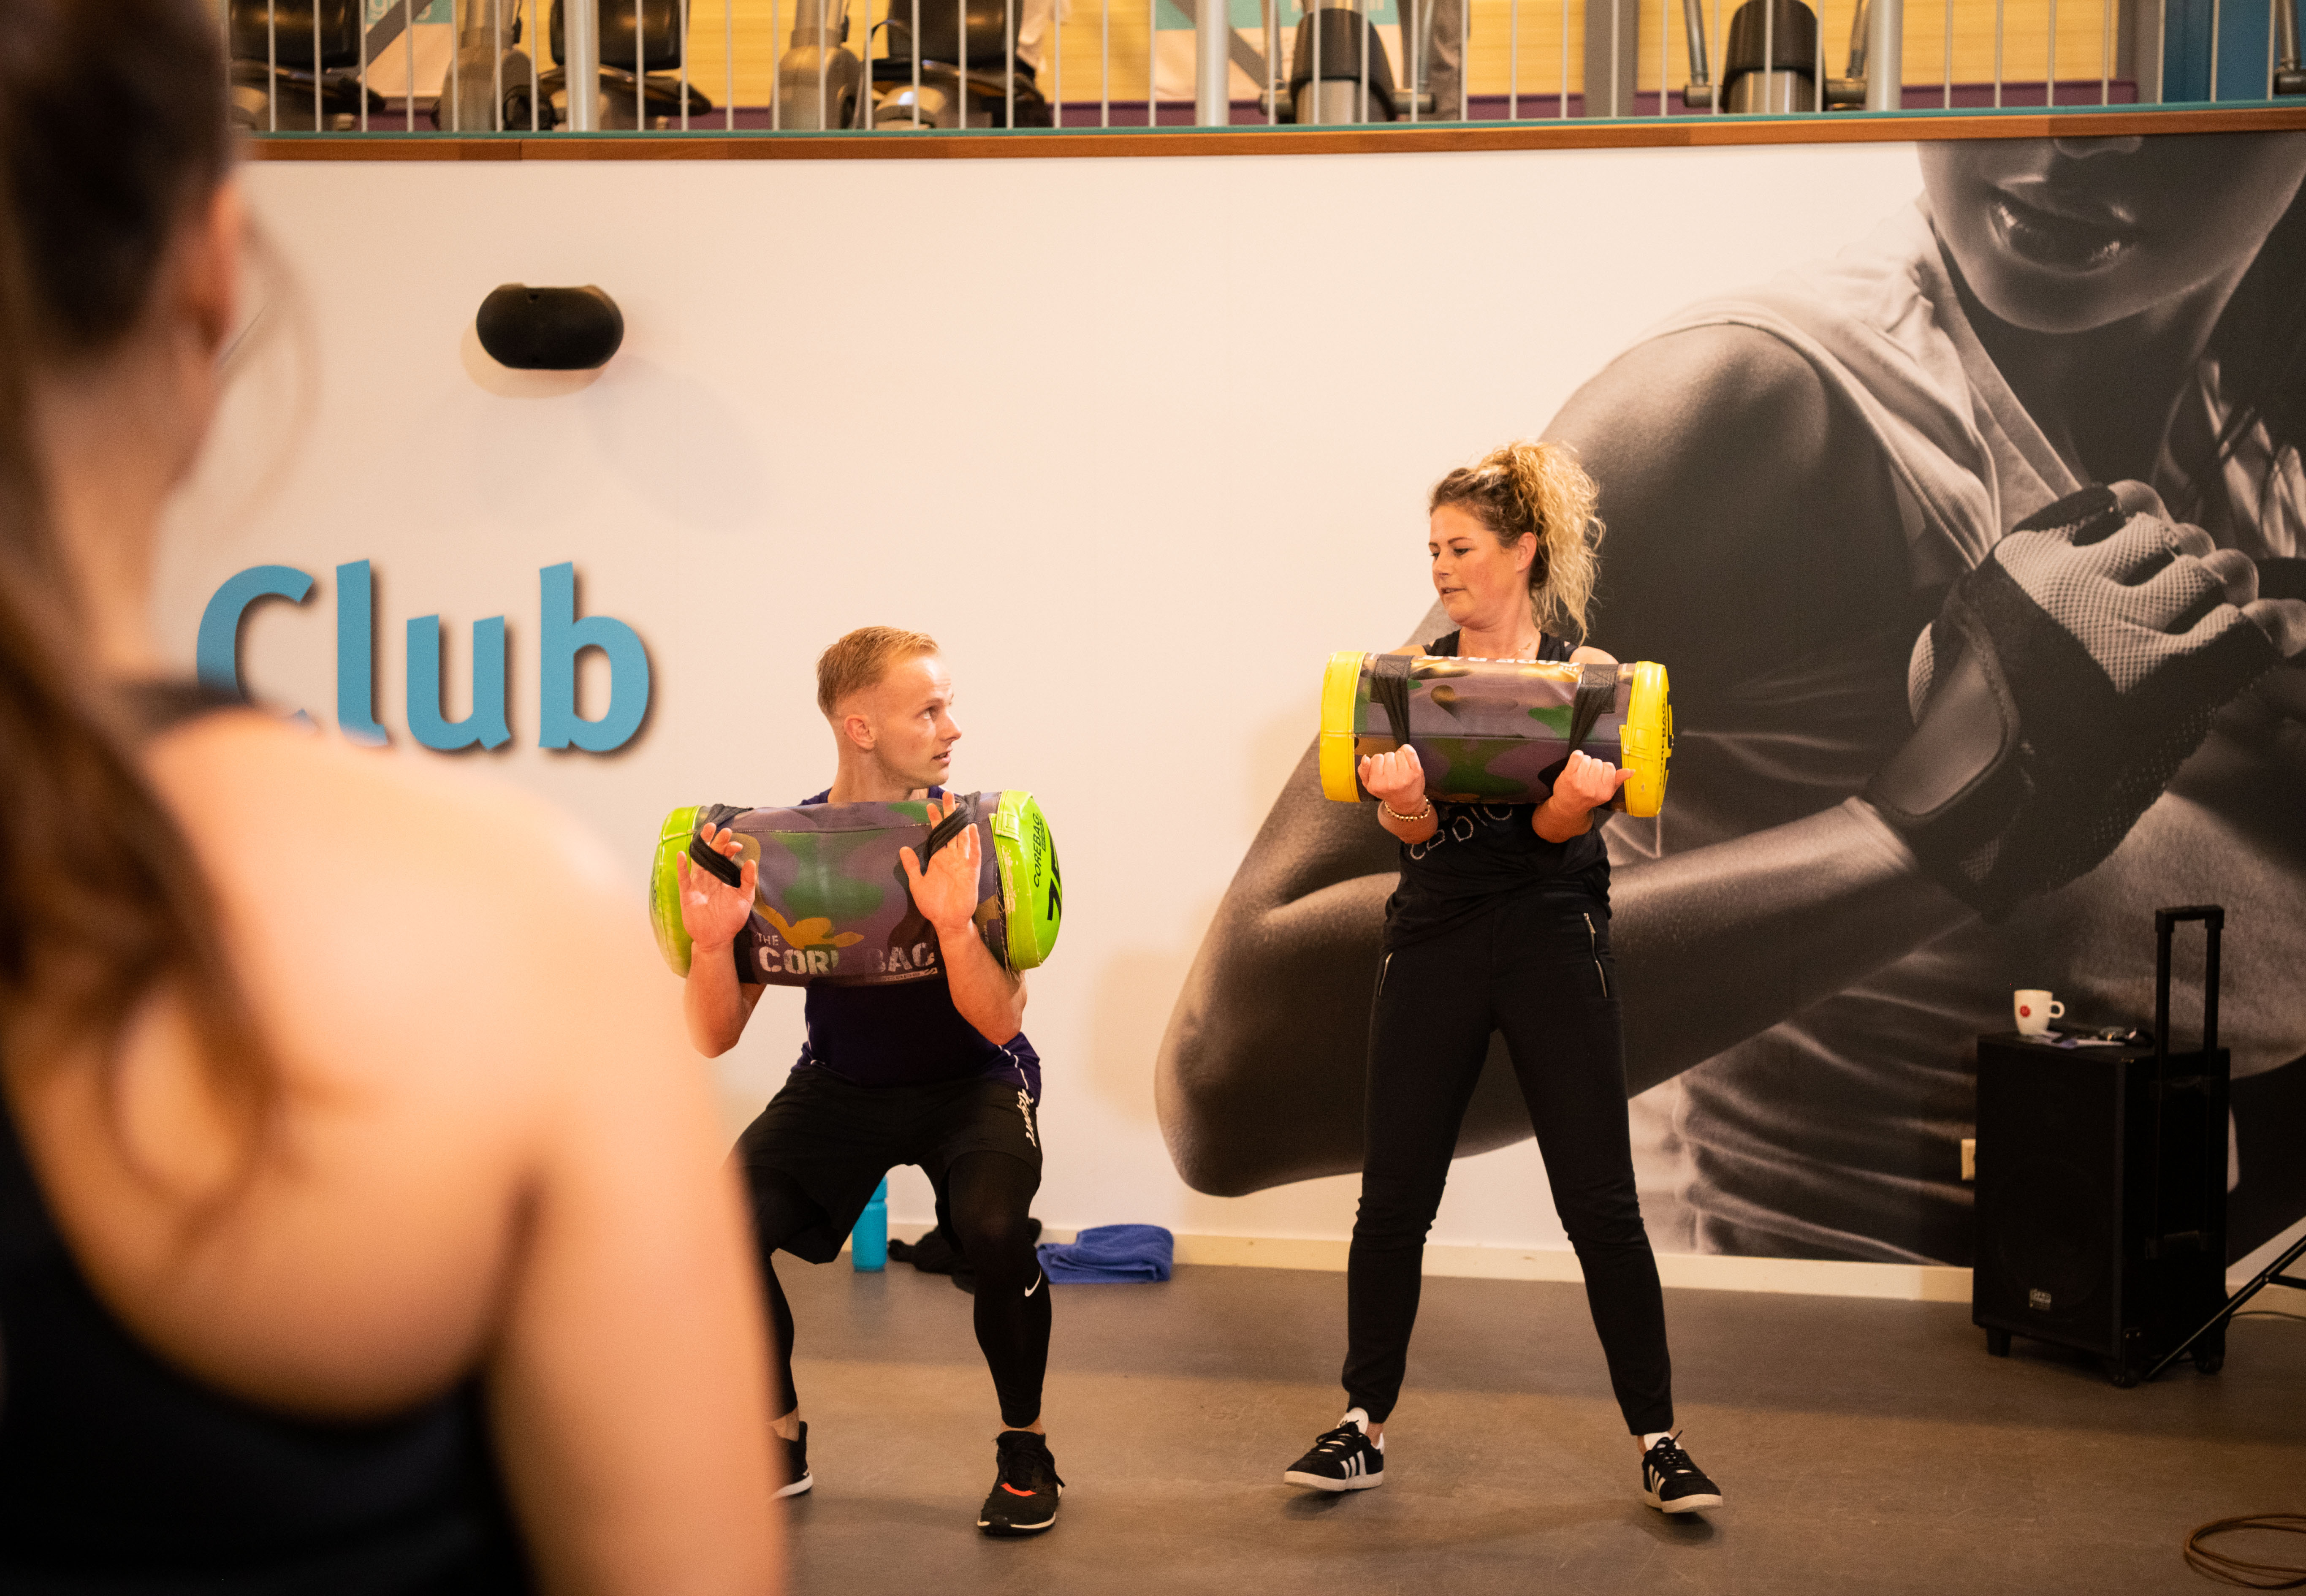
362,1220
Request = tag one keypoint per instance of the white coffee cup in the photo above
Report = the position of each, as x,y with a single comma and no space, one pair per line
2035,1009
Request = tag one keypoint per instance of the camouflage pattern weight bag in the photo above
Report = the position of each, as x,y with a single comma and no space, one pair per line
1495,731
830,899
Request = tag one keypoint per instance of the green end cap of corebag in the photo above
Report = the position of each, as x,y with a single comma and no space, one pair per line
672,840
1032,892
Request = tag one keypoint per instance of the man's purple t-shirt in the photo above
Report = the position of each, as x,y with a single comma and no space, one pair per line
907,1033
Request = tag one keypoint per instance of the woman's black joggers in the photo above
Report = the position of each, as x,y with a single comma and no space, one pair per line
1538,969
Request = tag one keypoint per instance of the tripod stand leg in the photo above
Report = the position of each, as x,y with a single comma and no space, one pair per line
2272,1275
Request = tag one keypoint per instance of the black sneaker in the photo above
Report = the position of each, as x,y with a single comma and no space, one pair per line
1344,1459
1024,1498
795,1454
1672,1483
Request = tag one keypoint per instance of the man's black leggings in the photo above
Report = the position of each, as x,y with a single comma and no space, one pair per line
1538,969
988,1196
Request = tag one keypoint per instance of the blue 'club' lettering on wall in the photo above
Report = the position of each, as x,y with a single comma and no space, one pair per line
216,651
565,636
485,727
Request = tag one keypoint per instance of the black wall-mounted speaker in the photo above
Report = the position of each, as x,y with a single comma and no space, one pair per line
550,329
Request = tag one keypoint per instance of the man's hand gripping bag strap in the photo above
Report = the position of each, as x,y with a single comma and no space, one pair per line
719,863
963,817
2060,688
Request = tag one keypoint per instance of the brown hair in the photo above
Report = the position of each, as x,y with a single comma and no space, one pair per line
112,129
861,659
1537,489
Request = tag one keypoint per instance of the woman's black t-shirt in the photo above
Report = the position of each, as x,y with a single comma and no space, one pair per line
1484,854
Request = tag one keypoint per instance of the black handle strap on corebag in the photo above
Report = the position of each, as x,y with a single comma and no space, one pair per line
963,817
1389,679
719,863
1597,696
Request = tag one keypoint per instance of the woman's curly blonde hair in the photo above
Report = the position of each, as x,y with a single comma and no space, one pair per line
1530,489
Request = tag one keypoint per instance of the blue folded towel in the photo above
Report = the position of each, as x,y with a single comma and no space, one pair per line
1110,1254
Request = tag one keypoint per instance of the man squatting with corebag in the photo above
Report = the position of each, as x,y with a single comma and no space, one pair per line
935,1071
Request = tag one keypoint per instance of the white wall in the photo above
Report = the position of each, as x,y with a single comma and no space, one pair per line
1141,440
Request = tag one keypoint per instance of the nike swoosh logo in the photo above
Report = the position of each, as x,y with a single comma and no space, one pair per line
1035,1285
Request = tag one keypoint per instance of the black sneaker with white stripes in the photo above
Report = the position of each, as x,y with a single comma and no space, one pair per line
1024,1497
1671,1482
1344,1459
795,1454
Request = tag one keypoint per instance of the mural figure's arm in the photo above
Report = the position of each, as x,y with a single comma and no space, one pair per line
1751,516
2058,688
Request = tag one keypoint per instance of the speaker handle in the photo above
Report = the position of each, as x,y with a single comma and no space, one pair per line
2165,922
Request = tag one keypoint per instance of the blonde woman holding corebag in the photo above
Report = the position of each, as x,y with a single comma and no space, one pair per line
1502,923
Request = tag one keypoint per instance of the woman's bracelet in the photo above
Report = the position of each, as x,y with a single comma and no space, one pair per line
1406,819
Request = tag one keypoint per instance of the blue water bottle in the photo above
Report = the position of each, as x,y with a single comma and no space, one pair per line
868,1243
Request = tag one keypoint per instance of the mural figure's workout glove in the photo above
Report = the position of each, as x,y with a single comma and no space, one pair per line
2062,685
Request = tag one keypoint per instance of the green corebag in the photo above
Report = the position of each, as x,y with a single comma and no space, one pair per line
830,898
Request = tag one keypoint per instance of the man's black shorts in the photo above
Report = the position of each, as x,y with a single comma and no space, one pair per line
835,1139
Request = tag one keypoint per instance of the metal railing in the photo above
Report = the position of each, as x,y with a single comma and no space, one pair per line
533,66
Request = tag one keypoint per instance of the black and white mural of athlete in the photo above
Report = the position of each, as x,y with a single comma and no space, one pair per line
1946,728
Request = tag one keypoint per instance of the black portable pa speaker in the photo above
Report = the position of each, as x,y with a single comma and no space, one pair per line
2102,1187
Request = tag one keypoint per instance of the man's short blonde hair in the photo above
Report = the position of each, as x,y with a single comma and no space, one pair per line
861,659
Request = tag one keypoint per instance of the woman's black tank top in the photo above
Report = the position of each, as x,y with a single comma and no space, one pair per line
119,1474
1484,854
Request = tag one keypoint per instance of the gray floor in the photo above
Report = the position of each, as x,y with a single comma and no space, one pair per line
1864,1447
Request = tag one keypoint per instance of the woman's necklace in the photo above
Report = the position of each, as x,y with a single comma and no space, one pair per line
1524,651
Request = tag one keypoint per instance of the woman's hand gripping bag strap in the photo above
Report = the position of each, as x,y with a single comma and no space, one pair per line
1495,731
2064,681
829,897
